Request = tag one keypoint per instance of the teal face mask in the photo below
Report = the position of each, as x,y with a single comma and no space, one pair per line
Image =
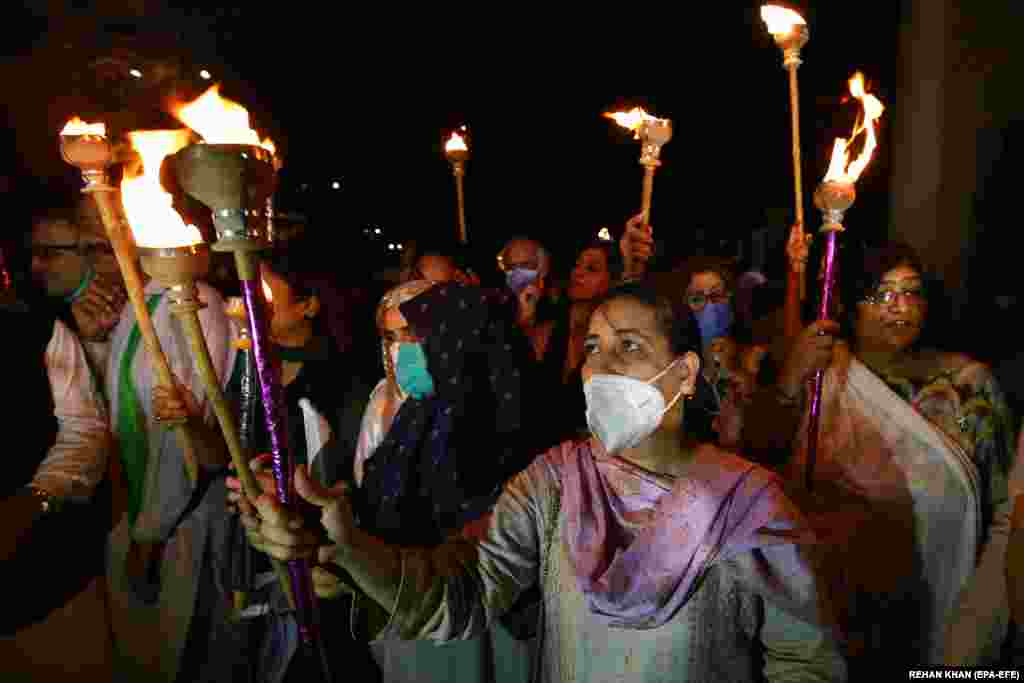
411,371
87,279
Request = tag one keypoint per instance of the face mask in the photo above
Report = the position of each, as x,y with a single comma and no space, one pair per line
622,411
714,321
87,279
411,371
519,279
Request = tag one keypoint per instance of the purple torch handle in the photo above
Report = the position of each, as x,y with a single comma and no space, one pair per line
272,394
827,289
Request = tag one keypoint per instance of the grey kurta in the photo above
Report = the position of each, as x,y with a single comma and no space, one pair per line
734,628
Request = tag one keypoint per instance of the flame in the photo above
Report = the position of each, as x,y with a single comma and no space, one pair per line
220,121
841,168
604,235
632,119
267,293
77,126
149,208
780,20
268,145
235,307
456,143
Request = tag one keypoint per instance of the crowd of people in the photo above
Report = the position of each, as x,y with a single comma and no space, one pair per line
607,476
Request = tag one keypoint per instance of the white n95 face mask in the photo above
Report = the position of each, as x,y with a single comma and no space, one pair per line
623,411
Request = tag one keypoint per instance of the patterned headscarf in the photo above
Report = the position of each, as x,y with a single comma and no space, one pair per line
428,475
394,298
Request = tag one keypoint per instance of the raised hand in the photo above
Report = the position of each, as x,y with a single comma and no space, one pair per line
637,246
811,351
798,247
175,404
283,533
99,308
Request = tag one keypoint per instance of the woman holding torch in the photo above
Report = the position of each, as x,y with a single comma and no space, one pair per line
914,454
630,590
164,600
314,330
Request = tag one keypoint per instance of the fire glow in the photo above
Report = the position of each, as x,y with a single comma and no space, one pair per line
456,143
633,120
77,126
780,20
149,208
841,168
220,121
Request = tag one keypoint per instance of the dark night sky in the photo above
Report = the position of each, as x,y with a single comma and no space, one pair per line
544,160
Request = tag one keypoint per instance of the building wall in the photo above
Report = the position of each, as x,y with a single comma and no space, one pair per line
959,92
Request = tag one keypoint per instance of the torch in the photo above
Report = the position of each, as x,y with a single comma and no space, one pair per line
790,33
652,133
458,154
86,147
231,172
241,565
173,254
833,197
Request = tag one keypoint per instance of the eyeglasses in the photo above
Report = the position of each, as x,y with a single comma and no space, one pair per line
887,297
98,248
508,266
48,252
715,296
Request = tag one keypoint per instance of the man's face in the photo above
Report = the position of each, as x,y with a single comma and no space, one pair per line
96,244
58,263
523,254
436,268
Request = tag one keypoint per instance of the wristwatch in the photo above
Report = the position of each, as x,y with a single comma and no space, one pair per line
48,503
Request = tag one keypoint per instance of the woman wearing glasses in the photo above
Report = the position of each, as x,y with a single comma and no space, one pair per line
910,475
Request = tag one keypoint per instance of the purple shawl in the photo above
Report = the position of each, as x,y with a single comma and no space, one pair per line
640,541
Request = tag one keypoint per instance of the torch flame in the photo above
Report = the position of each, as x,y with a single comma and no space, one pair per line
456,143
220,121
632,120
780,20
77,126
840,167
149,208
268,145
267,293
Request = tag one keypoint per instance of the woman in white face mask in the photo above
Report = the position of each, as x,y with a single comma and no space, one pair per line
659,558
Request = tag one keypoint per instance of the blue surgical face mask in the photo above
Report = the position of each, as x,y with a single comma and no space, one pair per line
519,279
411,371
714,321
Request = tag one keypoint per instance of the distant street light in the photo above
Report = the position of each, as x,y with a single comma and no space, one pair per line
135,73
205,75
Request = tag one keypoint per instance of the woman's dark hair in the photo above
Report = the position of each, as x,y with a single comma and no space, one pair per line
611,254
677,322
305,270
876,262
864,273
707,264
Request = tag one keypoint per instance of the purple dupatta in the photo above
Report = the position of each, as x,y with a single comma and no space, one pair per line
640,542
